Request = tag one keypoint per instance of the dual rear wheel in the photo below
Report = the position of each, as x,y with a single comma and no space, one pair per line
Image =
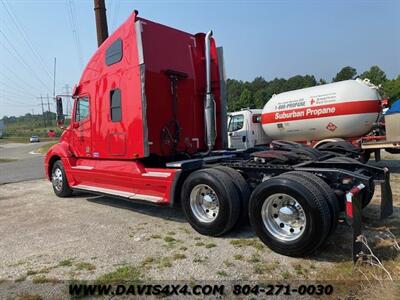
293,213
215,200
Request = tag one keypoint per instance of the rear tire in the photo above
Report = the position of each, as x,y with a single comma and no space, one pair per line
243,190
327,192
59,180
210,202
307,235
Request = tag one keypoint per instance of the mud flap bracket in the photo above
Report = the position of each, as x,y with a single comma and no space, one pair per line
353,216
387,197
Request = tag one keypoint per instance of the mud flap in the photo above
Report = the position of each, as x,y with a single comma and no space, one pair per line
386,196
353,216
354,210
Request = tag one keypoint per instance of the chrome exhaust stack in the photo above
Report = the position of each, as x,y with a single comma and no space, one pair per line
209,102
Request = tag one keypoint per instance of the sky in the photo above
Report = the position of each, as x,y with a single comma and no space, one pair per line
260,38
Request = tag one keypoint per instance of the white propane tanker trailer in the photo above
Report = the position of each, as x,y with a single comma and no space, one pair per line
343,117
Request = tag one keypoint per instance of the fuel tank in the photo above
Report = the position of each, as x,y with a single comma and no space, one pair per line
342,109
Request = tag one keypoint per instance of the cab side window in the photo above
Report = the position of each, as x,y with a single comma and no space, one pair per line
114,53
236,123
115,105
82,109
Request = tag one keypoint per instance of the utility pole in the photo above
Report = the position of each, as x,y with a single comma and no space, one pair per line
48,107
66,87
44,119
101,21
54,79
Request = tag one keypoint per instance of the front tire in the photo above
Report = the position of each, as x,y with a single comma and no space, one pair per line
210,202
59,180
289,216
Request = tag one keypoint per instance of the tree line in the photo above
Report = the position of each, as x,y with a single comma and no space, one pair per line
254,94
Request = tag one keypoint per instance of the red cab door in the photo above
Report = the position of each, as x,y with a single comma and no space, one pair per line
82,133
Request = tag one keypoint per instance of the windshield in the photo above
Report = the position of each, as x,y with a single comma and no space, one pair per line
236,123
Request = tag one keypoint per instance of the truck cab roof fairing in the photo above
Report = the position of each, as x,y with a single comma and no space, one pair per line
126,138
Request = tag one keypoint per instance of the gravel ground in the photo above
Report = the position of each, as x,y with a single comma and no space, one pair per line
85,237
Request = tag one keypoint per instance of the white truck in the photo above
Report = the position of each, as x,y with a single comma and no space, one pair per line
244,129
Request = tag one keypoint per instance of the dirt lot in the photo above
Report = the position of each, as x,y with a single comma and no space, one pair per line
45,239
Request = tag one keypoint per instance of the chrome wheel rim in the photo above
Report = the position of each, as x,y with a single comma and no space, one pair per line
283,217
57,179
204,203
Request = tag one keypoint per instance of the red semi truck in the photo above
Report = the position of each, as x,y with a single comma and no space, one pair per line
149,124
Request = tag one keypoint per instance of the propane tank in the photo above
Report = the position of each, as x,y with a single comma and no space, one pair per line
342,109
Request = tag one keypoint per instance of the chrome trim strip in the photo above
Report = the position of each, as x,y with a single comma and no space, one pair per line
138,31
154,199
83,167
139,44
104,190
156,174
123,194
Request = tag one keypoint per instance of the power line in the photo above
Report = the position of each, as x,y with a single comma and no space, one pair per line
22,59
16,88
116,12
75,34
24,36
14,95
13,102
18,77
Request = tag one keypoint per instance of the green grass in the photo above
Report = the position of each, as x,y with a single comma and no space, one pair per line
255,258
177,256
25,139
165,262
210,245
21,278
238,257
161,262
27,296
263,267
85,266
122,274
43,279
45,147
228,263
286,275
6,160
169,239
248,243
222,273
65,263
34,272
198,259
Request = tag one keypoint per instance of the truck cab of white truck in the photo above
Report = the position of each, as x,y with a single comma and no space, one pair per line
244,129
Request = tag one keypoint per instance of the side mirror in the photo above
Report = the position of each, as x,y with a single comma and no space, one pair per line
60,113
75,125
